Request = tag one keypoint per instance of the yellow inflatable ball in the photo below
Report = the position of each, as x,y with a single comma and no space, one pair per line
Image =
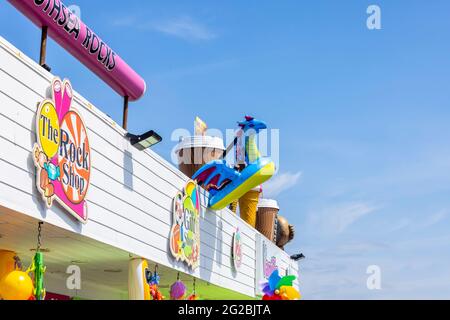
16,285
9,262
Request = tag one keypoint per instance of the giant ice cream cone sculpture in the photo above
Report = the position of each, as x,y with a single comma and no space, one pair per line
248,205
266,220
196,151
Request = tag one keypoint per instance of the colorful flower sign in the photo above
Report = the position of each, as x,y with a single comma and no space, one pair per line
237,250
62,154
185,232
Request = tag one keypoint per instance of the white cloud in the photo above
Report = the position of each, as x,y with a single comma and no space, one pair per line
405,275
185,28
337,218
124,21
436,218
199,69
416,224
280,183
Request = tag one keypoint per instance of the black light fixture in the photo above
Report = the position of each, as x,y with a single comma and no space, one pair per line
298,257
145,140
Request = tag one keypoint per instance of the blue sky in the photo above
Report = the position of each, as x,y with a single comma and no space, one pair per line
363,118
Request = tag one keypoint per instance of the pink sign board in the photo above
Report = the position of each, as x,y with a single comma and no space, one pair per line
79,40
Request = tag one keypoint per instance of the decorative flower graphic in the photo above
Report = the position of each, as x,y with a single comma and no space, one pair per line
185,232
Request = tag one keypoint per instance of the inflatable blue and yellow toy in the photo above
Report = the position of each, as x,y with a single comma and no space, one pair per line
226,184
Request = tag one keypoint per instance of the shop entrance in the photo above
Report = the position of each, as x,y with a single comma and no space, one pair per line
103,268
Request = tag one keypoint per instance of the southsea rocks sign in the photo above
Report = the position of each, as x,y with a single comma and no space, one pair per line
84,44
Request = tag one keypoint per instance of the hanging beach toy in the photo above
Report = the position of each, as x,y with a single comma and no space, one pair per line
193,296
38,268
154,285
178,289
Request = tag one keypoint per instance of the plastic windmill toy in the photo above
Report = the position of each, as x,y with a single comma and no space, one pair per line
280,288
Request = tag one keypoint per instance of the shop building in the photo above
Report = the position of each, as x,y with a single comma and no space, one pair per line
129,206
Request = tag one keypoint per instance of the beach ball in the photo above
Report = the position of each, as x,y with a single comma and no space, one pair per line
16,285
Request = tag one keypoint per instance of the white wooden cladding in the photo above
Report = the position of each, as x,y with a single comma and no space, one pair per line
131,192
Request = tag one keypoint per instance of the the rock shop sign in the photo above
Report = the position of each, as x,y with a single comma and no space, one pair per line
62,154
